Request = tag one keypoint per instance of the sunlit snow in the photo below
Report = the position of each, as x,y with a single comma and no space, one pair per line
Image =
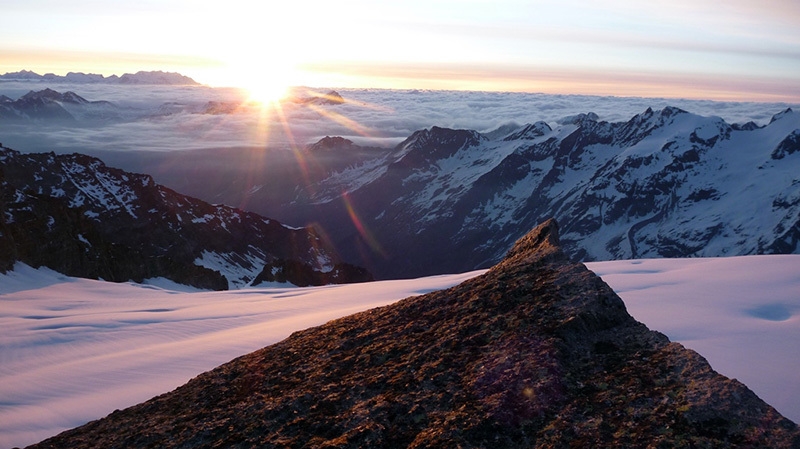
73,350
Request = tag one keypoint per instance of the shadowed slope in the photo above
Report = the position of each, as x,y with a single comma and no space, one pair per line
538,352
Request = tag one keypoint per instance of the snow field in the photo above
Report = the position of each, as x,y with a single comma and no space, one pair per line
73,350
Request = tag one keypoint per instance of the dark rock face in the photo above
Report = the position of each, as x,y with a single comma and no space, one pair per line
788,146
538,352
303,275
79,217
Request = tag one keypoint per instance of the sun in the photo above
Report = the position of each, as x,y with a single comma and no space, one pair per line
265,85
262,82
266,90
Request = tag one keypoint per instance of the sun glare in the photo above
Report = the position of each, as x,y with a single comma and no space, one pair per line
267,91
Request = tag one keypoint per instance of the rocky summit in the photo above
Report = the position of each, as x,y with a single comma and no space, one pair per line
537,352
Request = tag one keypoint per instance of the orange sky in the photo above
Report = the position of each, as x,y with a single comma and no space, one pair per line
684,49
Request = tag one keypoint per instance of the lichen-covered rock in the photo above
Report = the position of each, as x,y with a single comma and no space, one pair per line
538,352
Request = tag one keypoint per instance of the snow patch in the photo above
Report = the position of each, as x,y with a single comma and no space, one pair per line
239,269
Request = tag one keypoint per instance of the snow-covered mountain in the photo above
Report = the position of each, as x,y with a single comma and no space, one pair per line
75,215
666,183
51,106
140,77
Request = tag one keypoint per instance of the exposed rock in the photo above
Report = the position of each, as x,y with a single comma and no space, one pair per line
788,146
537,352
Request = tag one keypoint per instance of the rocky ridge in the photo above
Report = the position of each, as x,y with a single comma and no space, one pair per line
537,352
140,77
77,216
52,107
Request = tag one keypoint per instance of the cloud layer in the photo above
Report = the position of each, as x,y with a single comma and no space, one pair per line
166,118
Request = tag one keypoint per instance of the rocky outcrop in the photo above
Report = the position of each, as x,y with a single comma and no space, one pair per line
537,352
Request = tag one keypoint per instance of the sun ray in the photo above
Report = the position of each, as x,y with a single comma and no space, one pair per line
342,120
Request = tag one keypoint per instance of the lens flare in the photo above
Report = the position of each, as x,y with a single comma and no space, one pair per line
362,230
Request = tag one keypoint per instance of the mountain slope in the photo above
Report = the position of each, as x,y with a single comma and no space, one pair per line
538,352
665,183
77,216
49,106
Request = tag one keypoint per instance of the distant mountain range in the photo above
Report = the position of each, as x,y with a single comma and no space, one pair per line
141,77
77,216
665,183
48,106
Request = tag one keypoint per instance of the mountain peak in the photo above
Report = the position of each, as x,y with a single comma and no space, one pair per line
319,99
579,119
538,352
329,143
44,93
669,111
541,243
781,114
529,132
54,95
435,143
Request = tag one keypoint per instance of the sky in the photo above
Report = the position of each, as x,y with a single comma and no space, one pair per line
702,49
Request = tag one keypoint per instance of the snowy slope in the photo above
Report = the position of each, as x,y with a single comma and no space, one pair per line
666,183
73,350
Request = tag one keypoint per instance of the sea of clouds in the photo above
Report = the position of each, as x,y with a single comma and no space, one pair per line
171,118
